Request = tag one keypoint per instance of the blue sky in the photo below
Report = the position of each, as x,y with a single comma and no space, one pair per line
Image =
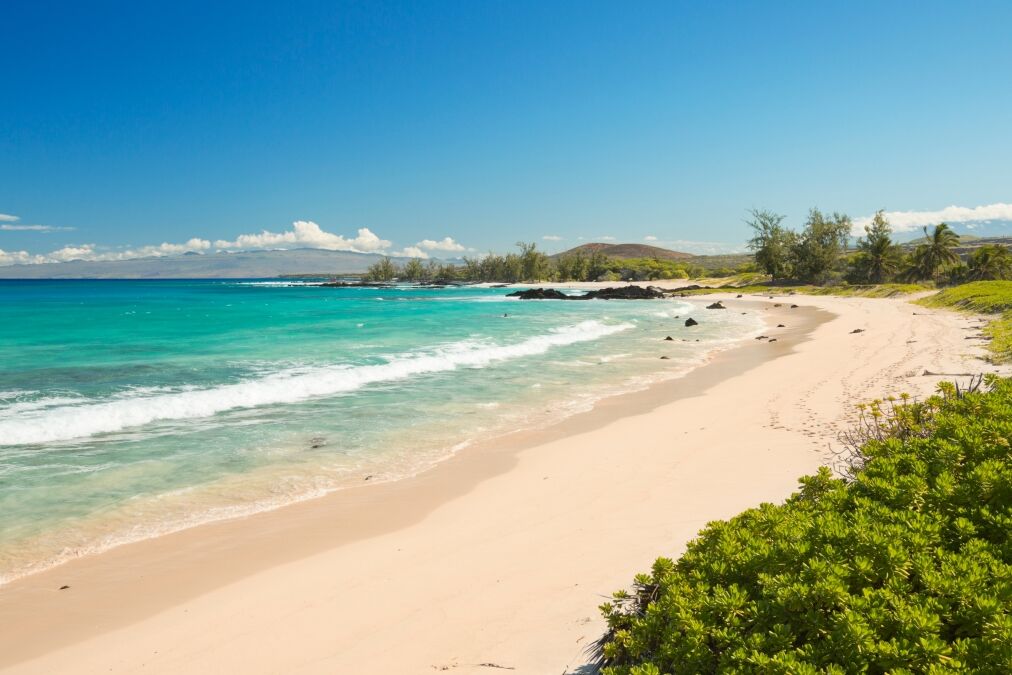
127,125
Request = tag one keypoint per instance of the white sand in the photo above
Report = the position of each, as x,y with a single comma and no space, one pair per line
500,556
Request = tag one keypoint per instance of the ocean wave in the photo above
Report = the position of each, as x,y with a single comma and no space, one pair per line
68,422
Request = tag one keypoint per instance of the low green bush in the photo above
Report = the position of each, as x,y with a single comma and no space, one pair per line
903,567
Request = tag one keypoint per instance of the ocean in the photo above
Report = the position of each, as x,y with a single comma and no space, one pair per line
130,409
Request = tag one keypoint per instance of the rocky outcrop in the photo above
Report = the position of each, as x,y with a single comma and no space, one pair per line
617,293
716,305
627,293
691,322
539,294
356,284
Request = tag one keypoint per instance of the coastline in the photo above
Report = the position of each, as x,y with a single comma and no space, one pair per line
339,549
556,411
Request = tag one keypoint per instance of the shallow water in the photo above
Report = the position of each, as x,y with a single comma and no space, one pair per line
134,408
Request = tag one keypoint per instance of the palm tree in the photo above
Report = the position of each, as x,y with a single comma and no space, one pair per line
935,253
990,262
878,258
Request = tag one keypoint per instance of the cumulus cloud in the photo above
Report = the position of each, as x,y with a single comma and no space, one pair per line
411,252
650,237
307,234
303,234
552,237
606,238
84,252
90,252
19,258
904,221
7,218
444,244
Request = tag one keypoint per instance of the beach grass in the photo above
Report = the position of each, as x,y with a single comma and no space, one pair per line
982,297
843,290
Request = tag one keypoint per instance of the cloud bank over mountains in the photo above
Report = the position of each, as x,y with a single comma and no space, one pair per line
308,234
303,234
905,221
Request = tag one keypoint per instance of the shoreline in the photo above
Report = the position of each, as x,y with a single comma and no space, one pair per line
124,589
541,430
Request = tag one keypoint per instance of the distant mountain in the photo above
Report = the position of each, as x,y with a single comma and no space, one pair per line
963,239
627,251
244,264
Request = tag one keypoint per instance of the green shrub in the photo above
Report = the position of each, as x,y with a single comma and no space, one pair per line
904,568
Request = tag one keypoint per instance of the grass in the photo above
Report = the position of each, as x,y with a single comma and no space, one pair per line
983,297
863,291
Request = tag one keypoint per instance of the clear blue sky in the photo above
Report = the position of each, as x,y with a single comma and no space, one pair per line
139,123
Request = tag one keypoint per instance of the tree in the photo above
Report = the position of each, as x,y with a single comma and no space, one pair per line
771,243
382,270
929,258
414,270
989,262
817,251
878,258
534,264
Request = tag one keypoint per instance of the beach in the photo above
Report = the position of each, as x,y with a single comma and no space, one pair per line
498,557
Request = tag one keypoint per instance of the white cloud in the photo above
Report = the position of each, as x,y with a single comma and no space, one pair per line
19,258
307,234
33,228
90,253
411,252
83,252
650,237
904,221
607,238
194,245
552,237
444,244
303,234
7,218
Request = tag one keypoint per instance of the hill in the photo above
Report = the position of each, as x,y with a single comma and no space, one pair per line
626,251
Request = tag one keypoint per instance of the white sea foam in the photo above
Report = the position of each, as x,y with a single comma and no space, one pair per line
67,422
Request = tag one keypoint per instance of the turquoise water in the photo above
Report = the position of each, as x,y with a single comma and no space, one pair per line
134,408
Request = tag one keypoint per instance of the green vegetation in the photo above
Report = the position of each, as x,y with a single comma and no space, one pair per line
877,258
988,263
903,566
933,256
983,297
531,265
818,253
812,255
844,290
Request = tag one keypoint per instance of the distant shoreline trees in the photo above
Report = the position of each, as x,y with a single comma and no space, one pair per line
819,254
530,265
811,255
